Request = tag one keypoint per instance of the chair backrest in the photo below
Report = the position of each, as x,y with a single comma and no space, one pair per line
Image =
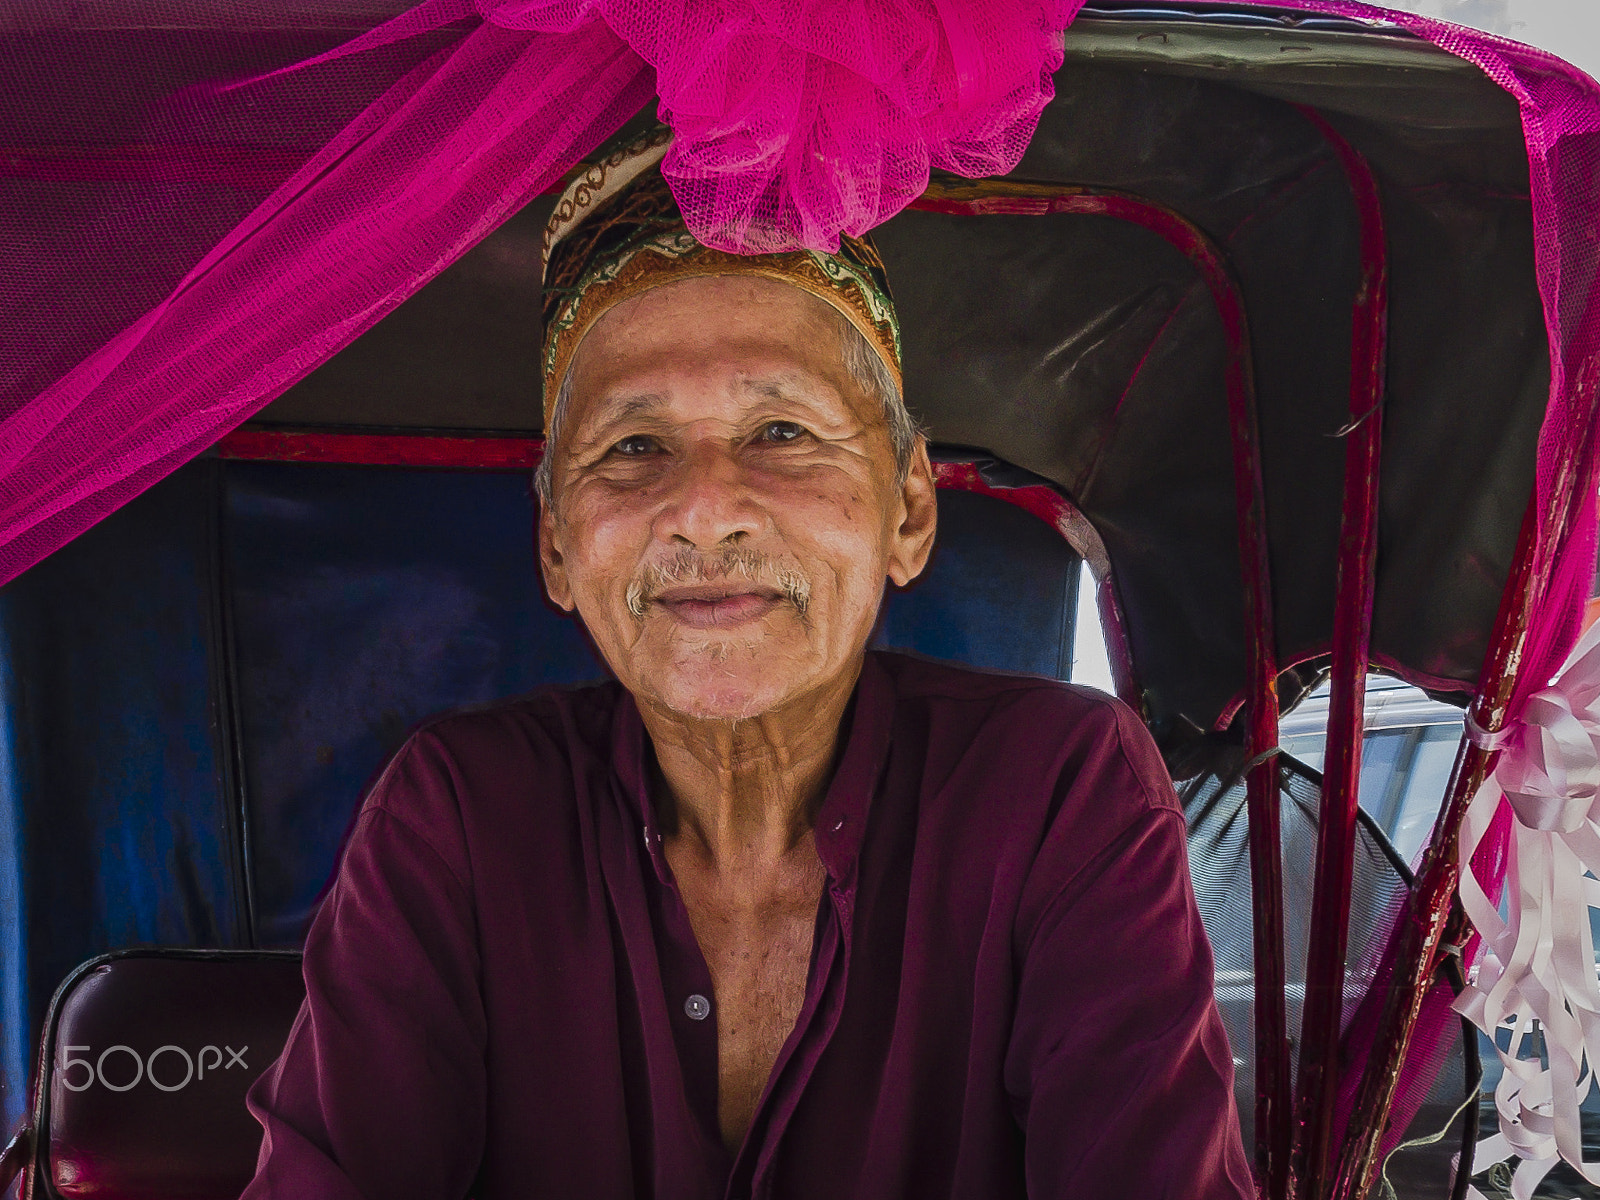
143,1069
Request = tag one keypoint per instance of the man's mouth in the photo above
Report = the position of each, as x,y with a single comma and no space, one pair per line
735,587
718,605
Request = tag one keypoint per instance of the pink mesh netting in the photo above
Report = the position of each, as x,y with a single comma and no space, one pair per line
155,297
148,316
761,93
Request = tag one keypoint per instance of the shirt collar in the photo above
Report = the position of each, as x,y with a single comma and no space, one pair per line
842,817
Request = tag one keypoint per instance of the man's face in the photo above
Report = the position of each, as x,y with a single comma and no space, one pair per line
725,508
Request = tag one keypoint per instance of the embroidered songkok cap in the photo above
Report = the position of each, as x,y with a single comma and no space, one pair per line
617,232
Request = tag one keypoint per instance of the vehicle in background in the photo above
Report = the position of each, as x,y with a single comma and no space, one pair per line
1405,761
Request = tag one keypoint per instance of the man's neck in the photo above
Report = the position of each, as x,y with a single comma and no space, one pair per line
743,794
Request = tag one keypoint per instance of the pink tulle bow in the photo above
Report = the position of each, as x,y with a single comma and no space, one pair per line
797,120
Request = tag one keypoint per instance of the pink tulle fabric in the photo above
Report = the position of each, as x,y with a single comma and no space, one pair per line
873,88
199,289
796,121
433,158
762,92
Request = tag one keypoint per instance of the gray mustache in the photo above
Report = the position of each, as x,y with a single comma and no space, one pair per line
690,566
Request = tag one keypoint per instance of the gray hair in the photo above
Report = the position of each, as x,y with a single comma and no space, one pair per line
864,365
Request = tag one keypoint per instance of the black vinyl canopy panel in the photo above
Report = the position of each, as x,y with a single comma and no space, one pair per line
1087,349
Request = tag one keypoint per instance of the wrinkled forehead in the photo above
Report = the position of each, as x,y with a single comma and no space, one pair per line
716,347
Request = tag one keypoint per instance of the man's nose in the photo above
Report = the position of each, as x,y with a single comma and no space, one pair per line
710,500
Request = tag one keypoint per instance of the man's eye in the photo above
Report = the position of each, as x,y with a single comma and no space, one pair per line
637,444
781,431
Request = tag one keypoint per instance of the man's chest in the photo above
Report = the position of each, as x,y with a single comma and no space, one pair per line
758,955
890,1026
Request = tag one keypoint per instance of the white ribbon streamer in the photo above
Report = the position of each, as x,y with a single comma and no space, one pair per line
1536,981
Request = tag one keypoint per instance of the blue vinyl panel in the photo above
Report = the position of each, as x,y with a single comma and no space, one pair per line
1000,592
114,829
363,601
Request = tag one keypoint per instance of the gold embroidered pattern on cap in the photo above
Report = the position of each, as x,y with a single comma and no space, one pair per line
617,232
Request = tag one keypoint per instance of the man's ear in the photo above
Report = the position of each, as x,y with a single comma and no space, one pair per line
912,542
553,565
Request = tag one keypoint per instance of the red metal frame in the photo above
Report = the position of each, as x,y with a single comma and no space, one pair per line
445,451
1429,904
1272,1111
1328,939
14,1159
1051,506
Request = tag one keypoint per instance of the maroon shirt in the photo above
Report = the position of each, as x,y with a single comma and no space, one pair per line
1010,993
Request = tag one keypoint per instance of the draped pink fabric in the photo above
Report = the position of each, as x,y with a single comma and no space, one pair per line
795,121
426,166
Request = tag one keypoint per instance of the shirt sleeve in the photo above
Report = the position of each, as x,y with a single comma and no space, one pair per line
380,1091
1119,1065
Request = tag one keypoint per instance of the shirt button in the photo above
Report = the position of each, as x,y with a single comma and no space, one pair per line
698,1007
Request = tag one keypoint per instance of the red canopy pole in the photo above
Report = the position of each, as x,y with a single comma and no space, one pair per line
1273,1096
1352,642
1050,505
1119,656
1428,905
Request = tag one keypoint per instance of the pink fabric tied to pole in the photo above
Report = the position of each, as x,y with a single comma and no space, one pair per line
795,122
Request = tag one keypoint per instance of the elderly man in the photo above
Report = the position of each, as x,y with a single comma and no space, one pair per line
770,915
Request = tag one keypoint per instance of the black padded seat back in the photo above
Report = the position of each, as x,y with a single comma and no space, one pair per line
146,1058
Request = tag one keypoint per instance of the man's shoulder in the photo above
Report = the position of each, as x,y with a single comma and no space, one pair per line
554,718
1033,732
499,754
512,772
1003,695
